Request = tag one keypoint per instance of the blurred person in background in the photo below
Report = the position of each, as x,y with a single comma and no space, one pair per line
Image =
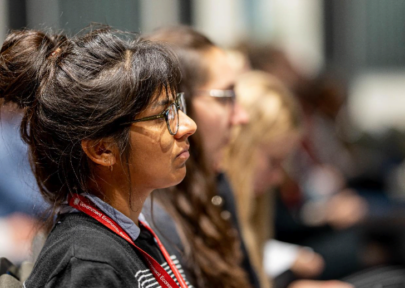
254,162
314,205
20,202
205,228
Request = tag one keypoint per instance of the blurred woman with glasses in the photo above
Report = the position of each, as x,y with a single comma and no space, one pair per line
205,228
105,125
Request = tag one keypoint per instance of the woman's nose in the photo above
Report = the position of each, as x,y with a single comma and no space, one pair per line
187,126
239,115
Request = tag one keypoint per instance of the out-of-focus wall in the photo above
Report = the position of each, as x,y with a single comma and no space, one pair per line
364,34
223,21
3,20
295,26
377,101
42,14
297,29
364,47
71,16
75,15
158,13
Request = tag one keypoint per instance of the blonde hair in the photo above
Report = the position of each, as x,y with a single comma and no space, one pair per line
272,112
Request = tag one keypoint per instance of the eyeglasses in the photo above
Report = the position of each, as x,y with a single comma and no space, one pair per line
228,97
217,93
171,114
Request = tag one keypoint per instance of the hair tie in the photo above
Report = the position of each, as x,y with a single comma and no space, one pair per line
55,52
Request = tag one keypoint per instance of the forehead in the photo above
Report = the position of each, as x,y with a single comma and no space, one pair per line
166,95
159,102
162,95
221,74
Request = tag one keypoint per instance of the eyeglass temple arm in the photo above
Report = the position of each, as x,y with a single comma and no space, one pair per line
149,118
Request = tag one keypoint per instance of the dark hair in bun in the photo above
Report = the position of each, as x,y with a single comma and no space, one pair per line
79,88
25,64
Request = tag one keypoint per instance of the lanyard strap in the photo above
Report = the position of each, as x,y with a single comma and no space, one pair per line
167,257
86,206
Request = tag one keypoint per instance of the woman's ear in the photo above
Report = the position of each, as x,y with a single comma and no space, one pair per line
101,152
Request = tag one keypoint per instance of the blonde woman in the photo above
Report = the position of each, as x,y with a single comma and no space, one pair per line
254,164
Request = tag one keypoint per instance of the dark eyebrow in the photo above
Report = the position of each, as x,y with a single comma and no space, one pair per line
161,103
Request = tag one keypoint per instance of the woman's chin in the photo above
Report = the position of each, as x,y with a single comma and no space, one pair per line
176,178
180,175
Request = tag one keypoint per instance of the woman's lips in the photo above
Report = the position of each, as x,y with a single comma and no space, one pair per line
184,154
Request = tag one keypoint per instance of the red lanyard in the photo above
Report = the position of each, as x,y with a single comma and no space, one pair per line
83,204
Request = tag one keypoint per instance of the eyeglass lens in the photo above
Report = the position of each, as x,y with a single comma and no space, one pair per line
182,103
173,113
173,119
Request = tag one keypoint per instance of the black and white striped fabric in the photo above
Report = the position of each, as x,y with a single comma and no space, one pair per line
381,277
146,279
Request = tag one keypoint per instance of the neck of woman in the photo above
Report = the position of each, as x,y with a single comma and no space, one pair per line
128,200
129,205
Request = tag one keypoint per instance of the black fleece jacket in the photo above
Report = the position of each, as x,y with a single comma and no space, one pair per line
81,252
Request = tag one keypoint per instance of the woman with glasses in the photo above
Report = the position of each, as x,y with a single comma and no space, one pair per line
205,228
106,125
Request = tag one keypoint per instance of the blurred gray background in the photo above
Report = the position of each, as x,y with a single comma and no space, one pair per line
360,41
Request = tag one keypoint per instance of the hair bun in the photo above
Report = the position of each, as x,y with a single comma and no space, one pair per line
25,60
